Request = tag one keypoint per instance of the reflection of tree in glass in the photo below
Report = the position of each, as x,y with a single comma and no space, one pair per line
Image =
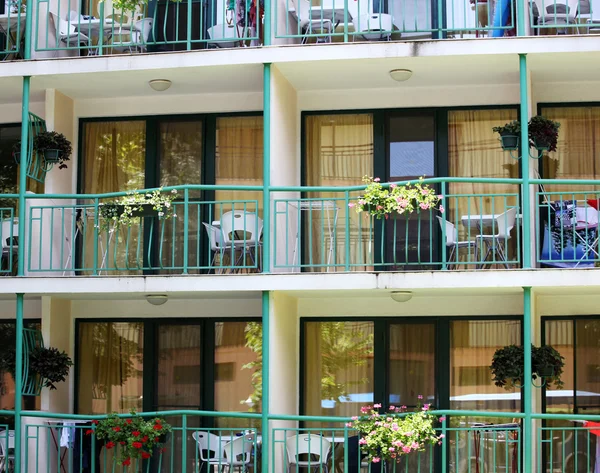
341,349
254,342
180,153
117,354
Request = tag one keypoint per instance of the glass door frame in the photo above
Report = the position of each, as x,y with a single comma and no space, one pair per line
150,356
152,165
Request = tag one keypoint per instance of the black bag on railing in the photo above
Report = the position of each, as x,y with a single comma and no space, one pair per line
82,450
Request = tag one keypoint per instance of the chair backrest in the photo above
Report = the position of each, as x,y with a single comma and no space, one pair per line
558,8
506,222
144,26
307,444
215,237
74,16
5,232
239,450
209,446
241,227
450,229
6,435
63,28
302,8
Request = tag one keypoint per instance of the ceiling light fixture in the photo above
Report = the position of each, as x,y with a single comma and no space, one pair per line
400,75
157,299
401,296
160,85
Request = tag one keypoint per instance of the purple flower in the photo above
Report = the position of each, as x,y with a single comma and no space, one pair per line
392,449
420,396
376,460
376,179
352,204
426,407
362,442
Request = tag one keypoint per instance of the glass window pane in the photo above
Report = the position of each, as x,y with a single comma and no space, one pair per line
179,370
338,367
239,161
238,364
560,335
412,364
588,365
110,367
472,347
339,152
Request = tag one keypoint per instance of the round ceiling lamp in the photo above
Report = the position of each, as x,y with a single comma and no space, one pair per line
160,85
401,75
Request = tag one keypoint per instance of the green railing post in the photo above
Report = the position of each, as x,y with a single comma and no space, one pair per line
18,381
186,228
27,42
347,231
445,441
346,19
184,443
267,23
101,31
521,20
524,111
266,236
527,381
189,28
264,423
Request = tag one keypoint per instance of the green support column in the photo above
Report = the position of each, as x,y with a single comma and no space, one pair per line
18,382
524,112
265,382
267,24
527,382
266,236
521,18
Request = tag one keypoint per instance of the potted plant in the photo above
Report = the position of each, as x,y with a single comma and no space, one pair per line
507,366
387,437
543,133
136,204
405,199
52,146
47,366
133,437
509,135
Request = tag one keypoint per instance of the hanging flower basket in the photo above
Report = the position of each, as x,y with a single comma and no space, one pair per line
52,155
509,142
509,135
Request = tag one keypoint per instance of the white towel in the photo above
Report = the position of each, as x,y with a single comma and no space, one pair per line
68,434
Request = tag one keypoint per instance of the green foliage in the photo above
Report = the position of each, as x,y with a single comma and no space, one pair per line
508,363
134,437
124,211
254,342
389,436
50,140
50,364
380,202
511,128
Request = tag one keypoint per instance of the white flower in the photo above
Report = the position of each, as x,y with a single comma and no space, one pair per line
174,191
161,214
167,204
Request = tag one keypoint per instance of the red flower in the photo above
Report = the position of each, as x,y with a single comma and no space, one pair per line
128,421
158,421
137,445
117,429
146,455
89,432
135,433
110,445
162,450
157,427
127,462
145,438
122,443
156,439
95,422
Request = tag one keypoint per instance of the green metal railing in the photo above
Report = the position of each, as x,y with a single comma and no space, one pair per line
326,21
557,17
467,231
567,230
12,29
8,235
196,235
96,28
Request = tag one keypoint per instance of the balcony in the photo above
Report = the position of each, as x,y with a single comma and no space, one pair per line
312,229
94,28
491,444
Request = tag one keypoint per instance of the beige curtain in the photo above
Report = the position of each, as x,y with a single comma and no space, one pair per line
412,363
338,360
114,155
239,161
578,151
339,152
110,367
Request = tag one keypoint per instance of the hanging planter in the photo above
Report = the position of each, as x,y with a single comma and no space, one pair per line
508,363
509,135
52,156
543,134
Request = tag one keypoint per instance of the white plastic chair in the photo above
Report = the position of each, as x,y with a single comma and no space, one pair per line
375,26
217,244
226,36
7,457
307,25
210,449
141,34
67,33
452,242
307,451
242,231
238,453
495,244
